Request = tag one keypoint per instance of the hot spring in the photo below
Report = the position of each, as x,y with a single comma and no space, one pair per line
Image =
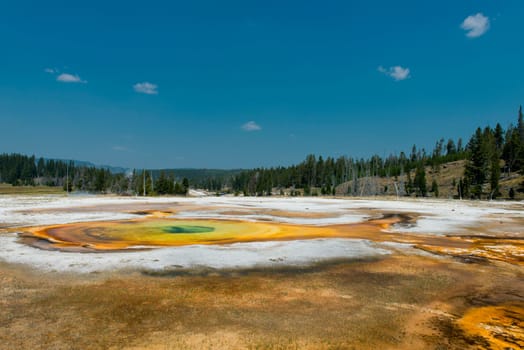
164,232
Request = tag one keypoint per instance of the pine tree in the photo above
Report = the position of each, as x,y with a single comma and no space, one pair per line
420,181
510,152
499,138
434,188
40,168
144,178
413,156
460,189
477,165
178,188
163,184
409,184
494,177
185,185
465,187
520,152
101,180
520,125
495,150
450,148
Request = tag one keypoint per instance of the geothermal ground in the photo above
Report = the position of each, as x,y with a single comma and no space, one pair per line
279,273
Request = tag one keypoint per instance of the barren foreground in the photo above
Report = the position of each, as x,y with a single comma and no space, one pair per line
359,274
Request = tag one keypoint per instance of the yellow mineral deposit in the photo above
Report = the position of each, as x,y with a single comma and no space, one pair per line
161,232
502,326
158,230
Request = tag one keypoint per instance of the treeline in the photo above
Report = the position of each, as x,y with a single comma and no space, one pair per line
19,170
211,179
146,182
321,176
491,153
22,170
488,154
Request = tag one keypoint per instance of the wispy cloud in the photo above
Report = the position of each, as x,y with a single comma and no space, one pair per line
70,78
146,88
120,148
475,25
51,70
251,126
396,72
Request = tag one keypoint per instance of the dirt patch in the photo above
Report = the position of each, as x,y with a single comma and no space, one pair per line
386,303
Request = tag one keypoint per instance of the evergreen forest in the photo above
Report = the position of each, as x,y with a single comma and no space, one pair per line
489,156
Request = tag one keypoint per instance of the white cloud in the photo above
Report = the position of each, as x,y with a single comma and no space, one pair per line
475,25
396,72
51,70
119,148
251,126
146,88
70,78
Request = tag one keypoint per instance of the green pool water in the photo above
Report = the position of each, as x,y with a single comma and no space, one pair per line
187,229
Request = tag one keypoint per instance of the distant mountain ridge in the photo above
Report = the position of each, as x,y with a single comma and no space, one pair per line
80,163
195,174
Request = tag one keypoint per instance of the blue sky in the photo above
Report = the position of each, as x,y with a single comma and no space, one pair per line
223,84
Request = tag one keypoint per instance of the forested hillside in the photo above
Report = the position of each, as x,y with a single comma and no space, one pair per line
490,154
